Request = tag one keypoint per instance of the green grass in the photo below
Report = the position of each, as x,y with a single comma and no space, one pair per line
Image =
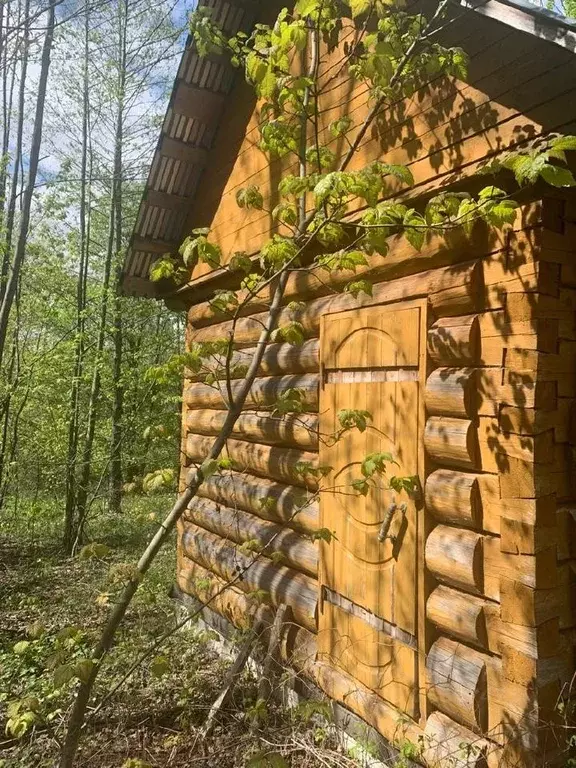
52,610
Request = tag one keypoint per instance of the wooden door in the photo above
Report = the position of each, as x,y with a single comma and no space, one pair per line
371,359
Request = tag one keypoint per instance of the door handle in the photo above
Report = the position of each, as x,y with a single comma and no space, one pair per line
387,522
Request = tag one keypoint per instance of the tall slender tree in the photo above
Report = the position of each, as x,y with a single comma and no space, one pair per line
28,192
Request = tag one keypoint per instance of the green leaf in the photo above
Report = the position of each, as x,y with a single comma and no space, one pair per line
468,212
292,400
255,68
162,269
557,176
409,484
159,666
375,463
341,126
307,7
343,260
83,669
224,301
350,418
278,252
490,192
415,228
564,143
291,333
35,630
157,480
240,262
21,647
499,212
63,675
358,7
250,197
286,213
361,485
209,468
356,287
323,534
94,551
526,167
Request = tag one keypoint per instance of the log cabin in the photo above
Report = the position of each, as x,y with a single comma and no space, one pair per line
457,630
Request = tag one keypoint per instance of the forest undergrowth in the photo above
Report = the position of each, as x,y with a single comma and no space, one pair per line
52,607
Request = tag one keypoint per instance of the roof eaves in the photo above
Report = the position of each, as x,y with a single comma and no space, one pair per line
524,16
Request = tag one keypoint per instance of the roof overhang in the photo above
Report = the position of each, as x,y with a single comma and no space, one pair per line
524,16
192,118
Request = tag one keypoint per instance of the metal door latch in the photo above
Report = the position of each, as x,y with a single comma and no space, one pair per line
385,527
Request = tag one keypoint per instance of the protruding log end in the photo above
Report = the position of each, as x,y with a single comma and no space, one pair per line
454,556
453,442
458,614
456,677
452,392
454,340
453,497
447,743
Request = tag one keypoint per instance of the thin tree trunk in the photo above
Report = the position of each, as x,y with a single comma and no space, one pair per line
13,279
115,498
74,404
86,462
17,159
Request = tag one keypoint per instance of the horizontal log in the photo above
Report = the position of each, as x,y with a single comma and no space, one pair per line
281,584
452,392
453,497
297,645
531,277
264,392
447,743
278,359
297,430
450,291
498,332
494,442
454,340
454,556
263,497
235,606
401,260
239,526
536,572
456,682
519,388
458,614
276,463
453,442
373,709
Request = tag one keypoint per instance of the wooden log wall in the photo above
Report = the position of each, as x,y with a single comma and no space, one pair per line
499,582
500,592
